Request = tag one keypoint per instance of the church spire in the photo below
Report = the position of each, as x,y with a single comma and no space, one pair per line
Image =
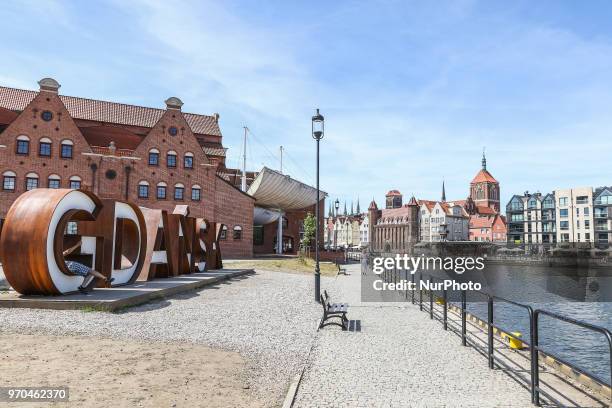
443,192
484,159
352,209
358,209
344,207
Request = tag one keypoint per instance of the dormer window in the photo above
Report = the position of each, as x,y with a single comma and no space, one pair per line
171,159
153,157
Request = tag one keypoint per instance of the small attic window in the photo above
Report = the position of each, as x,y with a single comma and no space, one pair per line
173,131
46,116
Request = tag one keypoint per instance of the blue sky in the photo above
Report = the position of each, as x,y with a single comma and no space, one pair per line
411,91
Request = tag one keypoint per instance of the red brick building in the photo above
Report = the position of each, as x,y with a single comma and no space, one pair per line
486,222
156,158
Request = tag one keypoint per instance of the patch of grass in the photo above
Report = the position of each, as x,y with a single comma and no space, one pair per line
91,309
292,265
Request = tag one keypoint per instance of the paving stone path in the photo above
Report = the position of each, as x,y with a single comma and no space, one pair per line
400,358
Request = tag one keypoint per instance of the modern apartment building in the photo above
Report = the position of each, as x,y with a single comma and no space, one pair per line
602,214
574,215
531,219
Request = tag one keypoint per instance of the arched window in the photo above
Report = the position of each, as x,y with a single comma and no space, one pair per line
196,192
75,182
53,181
237,234
143,189
161,190
8,180
66,149
171,158
223,234
31,181
188,160
179,191
44,147
153,157
23,145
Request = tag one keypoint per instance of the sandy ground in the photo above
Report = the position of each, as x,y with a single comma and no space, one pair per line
103,372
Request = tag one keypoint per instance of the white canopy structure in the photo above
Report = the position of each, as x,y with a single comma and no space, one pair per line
264,216
275,190
275,193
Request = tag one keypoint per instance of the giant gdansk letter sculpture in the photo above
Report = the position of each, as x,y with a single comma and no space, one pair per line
118,239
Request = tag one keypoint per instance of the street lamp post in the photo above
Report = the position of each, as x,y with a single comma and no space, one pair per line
318,129
337,206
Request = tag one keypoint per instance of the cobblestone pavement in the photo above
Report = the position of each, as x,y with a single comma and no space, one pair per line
400,358
270,318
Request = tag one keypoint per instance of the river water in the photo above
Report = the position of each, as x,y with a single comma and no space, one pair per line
583,294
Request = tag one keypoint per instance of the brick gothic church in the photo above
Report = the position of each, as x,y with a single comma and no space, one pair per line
156,158
486,223
396,226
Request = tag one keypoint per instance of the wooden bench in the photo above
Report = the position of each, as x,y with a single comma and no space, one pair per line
341,270
333,310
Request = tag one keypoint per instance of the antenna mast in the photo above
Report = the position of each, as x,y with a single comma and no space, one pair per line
281,159
246,129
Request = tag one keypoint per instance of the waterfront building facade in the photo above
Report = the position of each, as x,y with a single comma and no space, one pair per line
364,232
344,230
442,221
574,215
602,214
395,228
155,158
531,219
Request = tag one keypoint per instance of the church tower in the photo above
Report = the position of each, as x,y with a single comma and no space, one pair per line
373,214
484,189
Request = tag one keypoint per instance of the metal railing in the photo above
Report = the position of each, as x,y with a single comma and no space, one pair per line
534,348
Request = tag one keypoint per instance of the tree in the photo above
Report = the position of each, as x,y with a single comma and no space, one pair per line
310,227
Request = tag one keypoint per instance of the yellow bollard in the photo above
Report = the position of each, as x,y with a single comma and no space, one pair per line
516,344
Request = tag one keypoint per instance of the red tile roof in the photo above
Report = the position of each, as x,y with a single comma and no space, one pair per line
481,222
428,203
393,193
484,210
7,116
108,112
484,176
